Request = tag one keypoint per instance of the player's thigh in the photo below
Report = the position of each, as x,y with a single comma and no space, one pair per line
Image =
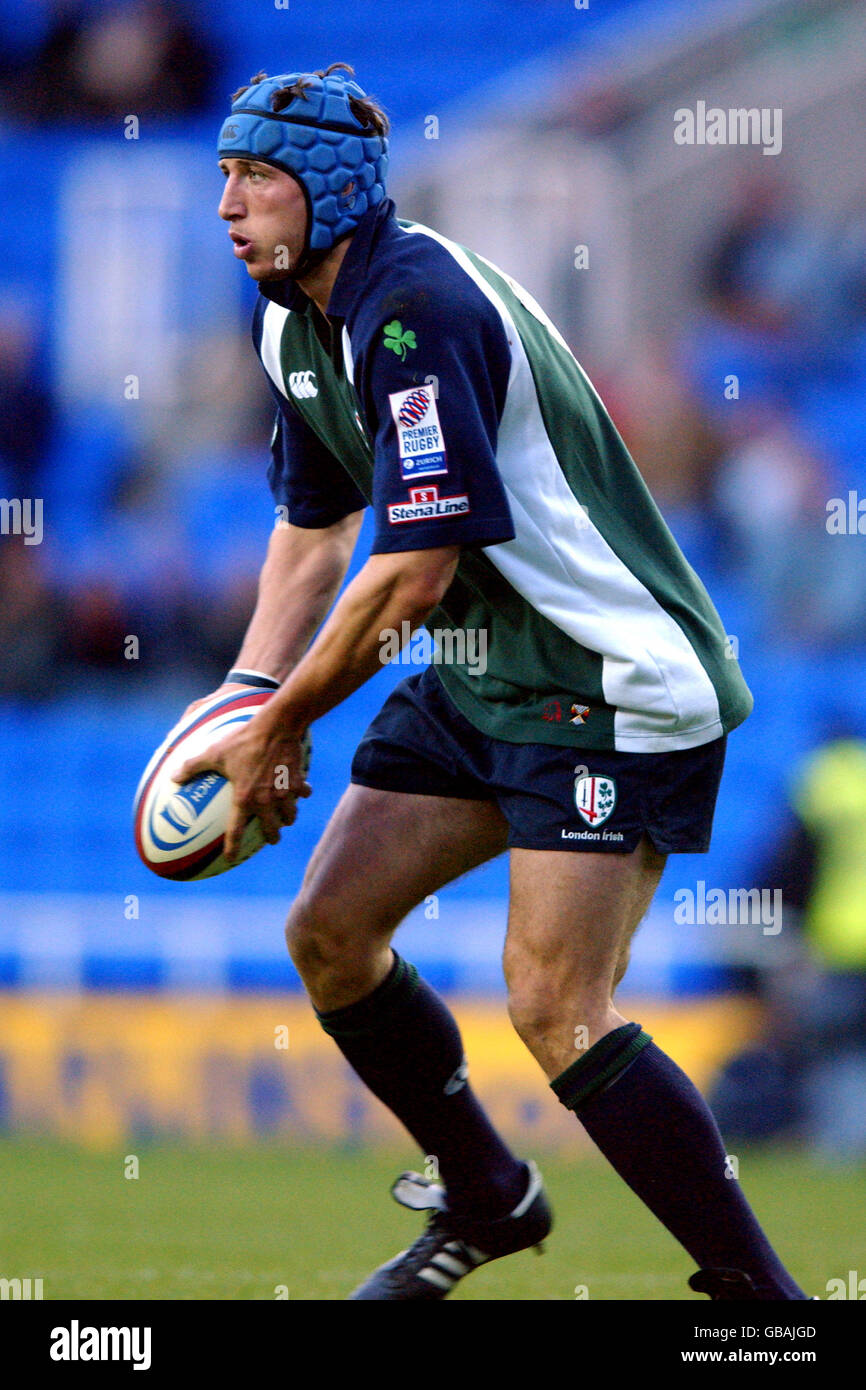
571,919
384,852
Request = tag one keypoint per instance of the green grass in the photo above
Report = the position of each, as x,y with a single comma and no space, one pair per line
233,1223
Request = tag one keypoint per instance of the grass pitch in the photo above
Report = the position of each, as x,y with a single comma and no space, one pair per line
218,1222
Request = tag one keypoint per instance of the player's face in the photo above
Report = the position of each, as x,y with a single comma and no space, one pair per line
267,217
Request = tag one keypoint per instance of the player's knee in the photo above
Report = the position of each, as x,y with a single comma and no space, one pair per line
319,942
534,1014
548,1018
311,934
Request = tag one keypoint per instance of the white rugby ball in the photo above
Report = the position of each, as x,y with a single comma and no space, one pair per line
179,829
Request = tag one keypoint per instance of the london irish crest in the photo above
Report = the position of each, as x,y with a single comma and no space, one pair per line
595,798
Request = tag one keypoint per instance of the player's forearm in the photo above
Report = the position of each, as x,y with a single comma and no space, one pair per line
348,650
299,581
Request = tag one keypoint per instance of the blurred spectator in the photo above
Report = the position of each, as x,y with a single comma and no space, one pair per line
675,445
762,271
32,625
847,302
772,493
784,391
741,277
26,407
97,627
808,1073
141,57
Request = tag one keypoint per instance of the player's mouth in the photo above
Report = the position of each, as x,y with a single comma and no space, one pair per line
243,247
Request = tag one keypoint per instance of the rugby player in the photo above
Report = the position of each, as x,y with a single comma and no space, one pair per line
413,376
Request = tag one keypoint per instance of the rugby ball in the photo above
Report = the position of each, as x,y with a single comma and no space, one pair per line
179,829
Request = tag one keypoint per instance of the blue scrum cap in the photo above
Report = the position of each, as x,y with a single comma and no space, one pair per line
339,162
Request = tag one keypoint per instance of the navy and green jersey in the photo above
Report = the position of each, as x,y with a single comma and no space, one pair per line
437,392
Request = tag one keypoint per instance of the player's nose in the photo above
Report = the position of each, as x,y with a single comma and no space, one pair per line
231,204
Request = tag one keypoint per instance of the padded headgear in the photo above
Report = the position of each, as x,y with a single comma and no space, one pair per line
339,162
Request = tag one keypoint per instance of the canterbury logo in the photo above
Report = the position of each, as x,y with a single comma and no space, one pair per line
303,385
458,1080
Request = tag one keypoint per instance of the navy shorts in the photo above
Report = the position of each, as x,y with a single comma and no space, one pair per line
551,797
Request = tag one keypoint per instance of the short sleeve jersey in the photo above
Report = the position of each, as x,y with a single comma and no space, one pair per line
437,392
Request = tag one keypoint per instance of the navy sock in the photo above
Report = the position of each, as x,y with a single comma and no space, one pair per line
654,1127
405,1045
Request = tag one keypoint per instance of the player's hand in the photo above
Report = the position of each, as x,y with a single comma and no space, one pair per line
266,768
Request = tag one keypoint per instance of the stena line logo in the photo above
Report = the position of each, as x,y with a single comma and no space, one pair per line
303,385
425,504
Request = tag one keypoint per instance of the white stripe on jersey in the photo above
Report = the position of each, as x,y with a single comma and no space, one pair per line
273,323
348,360
563,566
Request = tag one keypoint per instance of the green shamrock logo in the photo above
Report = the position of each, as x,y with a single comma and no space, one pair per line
397,340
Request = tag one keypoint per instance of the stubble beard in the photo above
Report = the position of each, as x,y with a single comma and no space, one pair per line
283,263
